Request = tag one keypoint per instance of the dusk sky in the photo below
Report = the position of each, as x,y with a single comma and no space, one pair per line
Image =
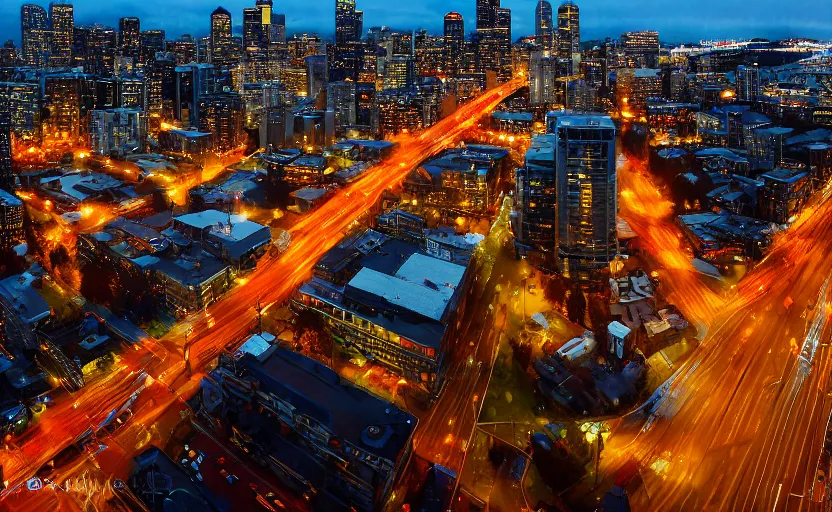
676,20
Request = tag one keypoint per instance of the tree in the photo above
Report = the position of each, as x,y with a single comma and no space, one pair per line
576,306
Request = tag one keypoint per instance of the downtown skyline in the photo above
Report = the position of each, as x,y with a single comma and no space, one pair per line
601,18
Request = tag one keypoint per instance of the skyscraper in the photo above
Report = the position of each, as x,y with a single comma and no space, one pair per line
221,38
153,41
543,29
487,14
587,196
6,176
129,38
348,53
748,82
62,19
493,39
256,40
454,41
347,25
569,35
34,35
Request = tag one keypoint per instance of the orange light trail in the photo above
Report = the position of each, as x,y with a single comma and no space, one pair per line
273,281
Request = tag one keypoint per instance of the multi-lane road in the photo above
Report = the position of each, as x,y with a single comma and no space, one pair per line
227,322
743,424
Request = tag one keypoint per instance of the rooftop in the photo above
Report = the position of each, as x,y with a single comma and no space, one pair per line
7,199
412,288
784,175
588,121
26,301
349,412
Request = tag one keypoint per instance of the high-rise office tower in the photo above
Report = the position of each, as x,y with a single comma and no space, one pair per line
256,41
487,14
543,29
454,41
102,45
348,52
6,175
748,82
34,35
129,38
278,27
221,54
152,42
493,38
222,114
569,36
346,22
587,197
192,82
183,50
542,75
641,48
62,19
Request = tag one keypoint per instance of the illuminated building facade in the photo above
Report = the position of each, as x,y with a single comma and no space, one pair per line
221,52
129,38
398,73
493,37
120,131
192,81
68,97
398,112
569,36
23,102
748,82
11,216
316,74
454,41
587,194
390,302
257,41
324,437
536,186
152,42
675,119
348,50
543,71
764,146
340,97
34,32
304,171
222,114
295,80
6,174
96,46
428,54
260,98
784,194
183,51
544,31
634,87
62,19
161,86
460,180
641,48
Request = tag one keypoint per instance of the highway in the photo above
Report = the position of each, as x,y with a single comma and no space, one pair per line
227,322
742,425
